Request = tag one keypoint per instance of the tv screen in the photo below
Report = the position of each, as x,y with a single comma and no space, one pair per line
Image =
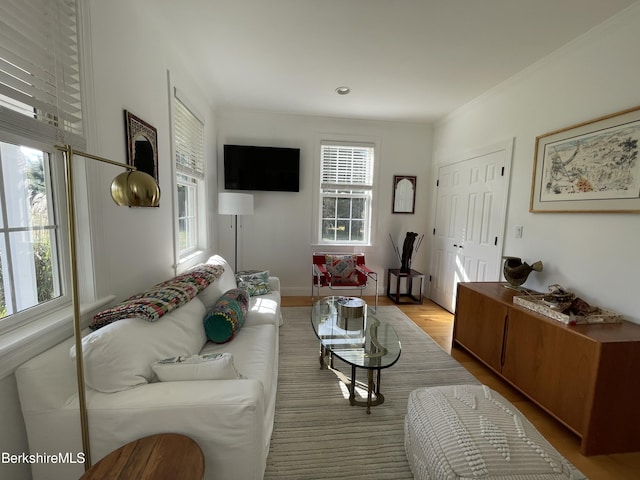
261,168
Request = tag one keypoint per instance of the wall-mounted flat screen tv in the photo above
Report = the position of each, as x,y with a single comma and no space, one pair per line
273,169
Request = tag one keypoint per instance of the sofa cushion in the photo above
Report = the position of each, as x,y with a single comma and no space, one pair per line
119,355
256,282
224,283
213,366
264,309
255,354
227,316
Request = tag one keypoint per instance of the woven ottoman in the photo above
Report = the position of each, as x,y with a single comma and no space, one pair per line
472,432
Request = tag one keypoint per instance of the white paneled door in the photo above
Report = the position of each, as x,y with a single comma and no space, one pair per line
470,216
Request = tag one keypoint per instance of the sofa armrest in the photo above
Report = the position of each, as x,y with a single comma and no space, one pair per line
226,418
274,283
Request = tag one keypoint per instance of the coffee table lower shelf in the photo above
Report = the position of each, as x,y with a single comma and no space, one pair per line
347,330
372,386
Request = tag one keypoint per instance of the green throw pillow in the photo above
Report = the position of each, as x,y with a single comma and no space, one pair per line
227,316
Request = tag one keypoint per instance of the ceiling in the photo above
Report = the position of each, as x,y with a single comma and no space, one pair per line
404,60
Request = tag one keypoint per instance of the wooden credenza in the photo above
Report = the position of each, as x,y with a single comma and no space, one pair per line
586,376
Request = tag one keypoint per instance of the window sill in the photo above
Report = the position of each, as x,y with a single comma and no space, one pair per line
188,257
191,259
25,342
341,245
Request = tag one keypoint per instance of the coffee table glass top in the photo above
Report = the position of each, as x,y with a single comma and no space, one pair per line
353,334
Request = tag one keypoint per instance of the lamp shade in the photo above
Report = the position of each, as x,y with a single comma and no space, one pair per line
230,203
135,189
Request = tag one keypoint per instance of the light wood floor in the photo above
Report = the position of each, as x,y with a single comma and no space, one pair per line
438,323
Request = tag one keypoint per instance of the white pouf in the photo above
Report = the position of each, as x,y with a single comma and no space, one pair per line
472,432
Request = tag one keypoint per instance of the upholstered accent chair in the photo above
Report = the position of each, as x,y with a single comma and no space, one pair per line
342,271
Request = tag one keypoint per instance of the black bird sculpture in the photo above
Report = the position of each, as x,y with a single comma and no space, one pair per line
516,272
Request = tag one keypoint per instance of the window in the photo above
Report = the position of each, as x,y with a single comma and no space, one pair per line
346,188
189,147
40,105
29,273
187,221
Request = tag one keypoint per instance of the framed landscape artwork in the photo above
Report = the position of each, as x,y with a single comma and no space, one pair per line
589,167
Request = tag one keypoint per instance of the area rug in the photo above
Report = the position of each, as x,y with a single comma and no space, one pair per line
318,435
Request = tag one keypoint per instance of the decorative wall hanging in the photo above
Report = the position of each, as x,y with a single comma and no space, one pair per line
404,194
589,167
142,144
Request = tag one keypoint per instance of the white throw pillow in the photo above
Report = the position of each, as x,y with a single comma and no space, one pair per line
227,281
119,355
212,366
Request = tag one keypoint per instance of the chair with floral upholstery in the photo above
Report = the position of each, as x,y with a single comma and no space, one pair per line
342,271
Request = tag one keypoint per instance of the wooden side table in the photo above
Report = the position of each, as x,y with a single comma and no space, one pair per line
165,456
408,293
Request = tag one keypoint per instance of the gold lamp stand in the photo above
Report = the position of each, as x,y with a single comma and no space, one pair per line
130,188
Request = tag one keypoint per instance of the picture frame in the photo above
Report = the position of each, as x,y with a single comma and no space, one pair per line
404,194
590,167
142,144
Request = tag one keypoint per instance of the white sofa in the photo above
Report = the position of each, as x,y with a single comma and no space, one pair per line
231,420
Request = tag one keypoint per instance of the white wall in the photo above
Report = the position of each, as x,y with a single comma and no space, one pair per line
279,235
594,255
134,247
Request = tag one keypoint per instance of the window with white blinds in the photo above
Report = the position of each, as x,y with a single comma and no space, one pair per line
40,105
189,141
189,154
346,191
39,65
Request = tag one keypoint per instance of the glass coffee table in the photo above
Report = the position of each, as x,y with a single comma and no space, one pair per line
361,339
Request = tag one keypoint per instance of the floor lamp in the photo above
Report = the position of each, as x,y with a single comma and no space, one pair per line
131,188
230,203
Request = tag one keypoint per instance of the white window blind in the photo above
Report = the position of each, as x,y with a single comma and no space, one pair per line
189,140
39,63
347,165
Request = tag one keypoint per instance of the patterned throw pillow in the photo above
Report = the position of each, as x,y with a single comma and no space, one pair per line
212,366
342,269
255,281
227,316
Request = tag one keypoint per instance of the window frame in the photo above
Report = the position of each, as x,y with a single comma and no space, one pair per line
191,212
194,178
369,192
59,218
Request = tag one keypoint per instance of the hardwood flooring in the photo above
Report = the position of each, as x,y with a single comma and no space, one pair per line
438,323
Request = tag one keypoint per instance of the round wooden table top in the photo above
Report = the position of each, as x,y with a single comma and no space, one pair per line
165,456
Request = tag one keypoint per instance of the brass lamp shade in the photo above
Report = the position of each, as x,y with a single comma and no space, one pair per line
135,189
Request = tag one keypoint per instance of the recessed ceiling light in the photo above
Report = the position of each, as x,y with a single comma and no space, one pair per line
343,90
